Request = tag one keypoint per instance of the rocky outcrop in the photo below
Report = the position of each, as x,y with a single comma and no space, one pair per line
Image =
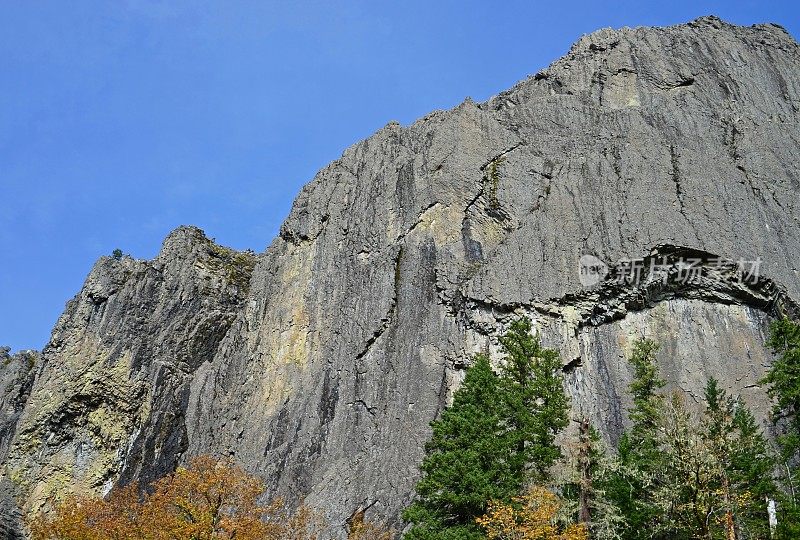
109,394
673,150
16,378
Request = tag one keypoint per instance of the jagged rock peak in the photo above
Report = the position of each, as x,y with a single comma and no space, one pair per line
183,239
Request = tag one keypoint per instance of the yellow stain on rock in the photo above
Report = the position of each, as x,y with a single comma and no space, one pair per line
112,406
285,344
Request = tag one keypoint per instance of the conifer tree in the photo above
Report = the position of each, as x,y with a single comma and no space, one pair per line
465,465
715,470
647,401
783,380
687,473
536,404
684,487
744,462
498,434
631,488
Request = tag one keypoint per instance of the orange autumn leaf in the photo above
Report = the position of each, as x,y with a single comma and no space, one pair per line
530,517
207,500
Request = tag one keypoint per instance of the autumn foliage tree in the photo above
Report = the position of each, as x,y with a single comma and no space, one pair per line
533,516
83,518
362,530
208,500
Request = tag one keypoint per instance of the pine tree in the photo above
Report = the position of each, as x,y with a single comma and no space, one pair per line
745,463
688,473
466,464
783,380
714,473
640,459
498,434
536,404
644,388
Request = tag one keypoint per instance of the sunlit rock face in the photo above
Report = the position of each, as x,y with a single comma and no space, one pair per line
110,390
668,156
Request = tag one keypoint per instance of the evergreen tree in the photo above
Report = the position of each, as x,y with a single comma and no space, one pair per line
684,487
632,486
714,471
783,380
536,406
744,461
465,465
684,476
499,433
587,473
644,388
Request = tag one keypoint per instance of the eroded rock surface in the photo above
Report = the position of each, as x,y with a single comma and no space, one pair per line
109,393
402,259
16,379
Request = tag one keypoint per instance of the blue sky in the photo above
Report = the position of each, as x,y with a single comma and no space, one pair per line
122,120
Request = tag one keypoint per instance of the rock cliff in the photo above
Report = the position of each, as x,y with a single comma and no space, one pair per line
320,363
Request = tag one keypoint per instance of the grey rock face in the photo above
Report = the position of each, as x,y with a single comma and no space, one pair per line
405,257
16,379
108,397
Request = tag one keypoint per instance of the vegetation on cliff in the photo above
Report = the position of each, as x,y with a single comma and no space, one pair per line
679,471
499,432
499,466
210,499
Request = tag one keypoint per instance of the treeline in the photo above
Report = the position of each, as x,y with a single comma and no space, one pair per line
501,465
210,499
493,468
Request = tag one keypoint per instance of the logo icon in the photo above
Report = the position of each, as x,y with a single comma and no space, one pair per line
592,270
